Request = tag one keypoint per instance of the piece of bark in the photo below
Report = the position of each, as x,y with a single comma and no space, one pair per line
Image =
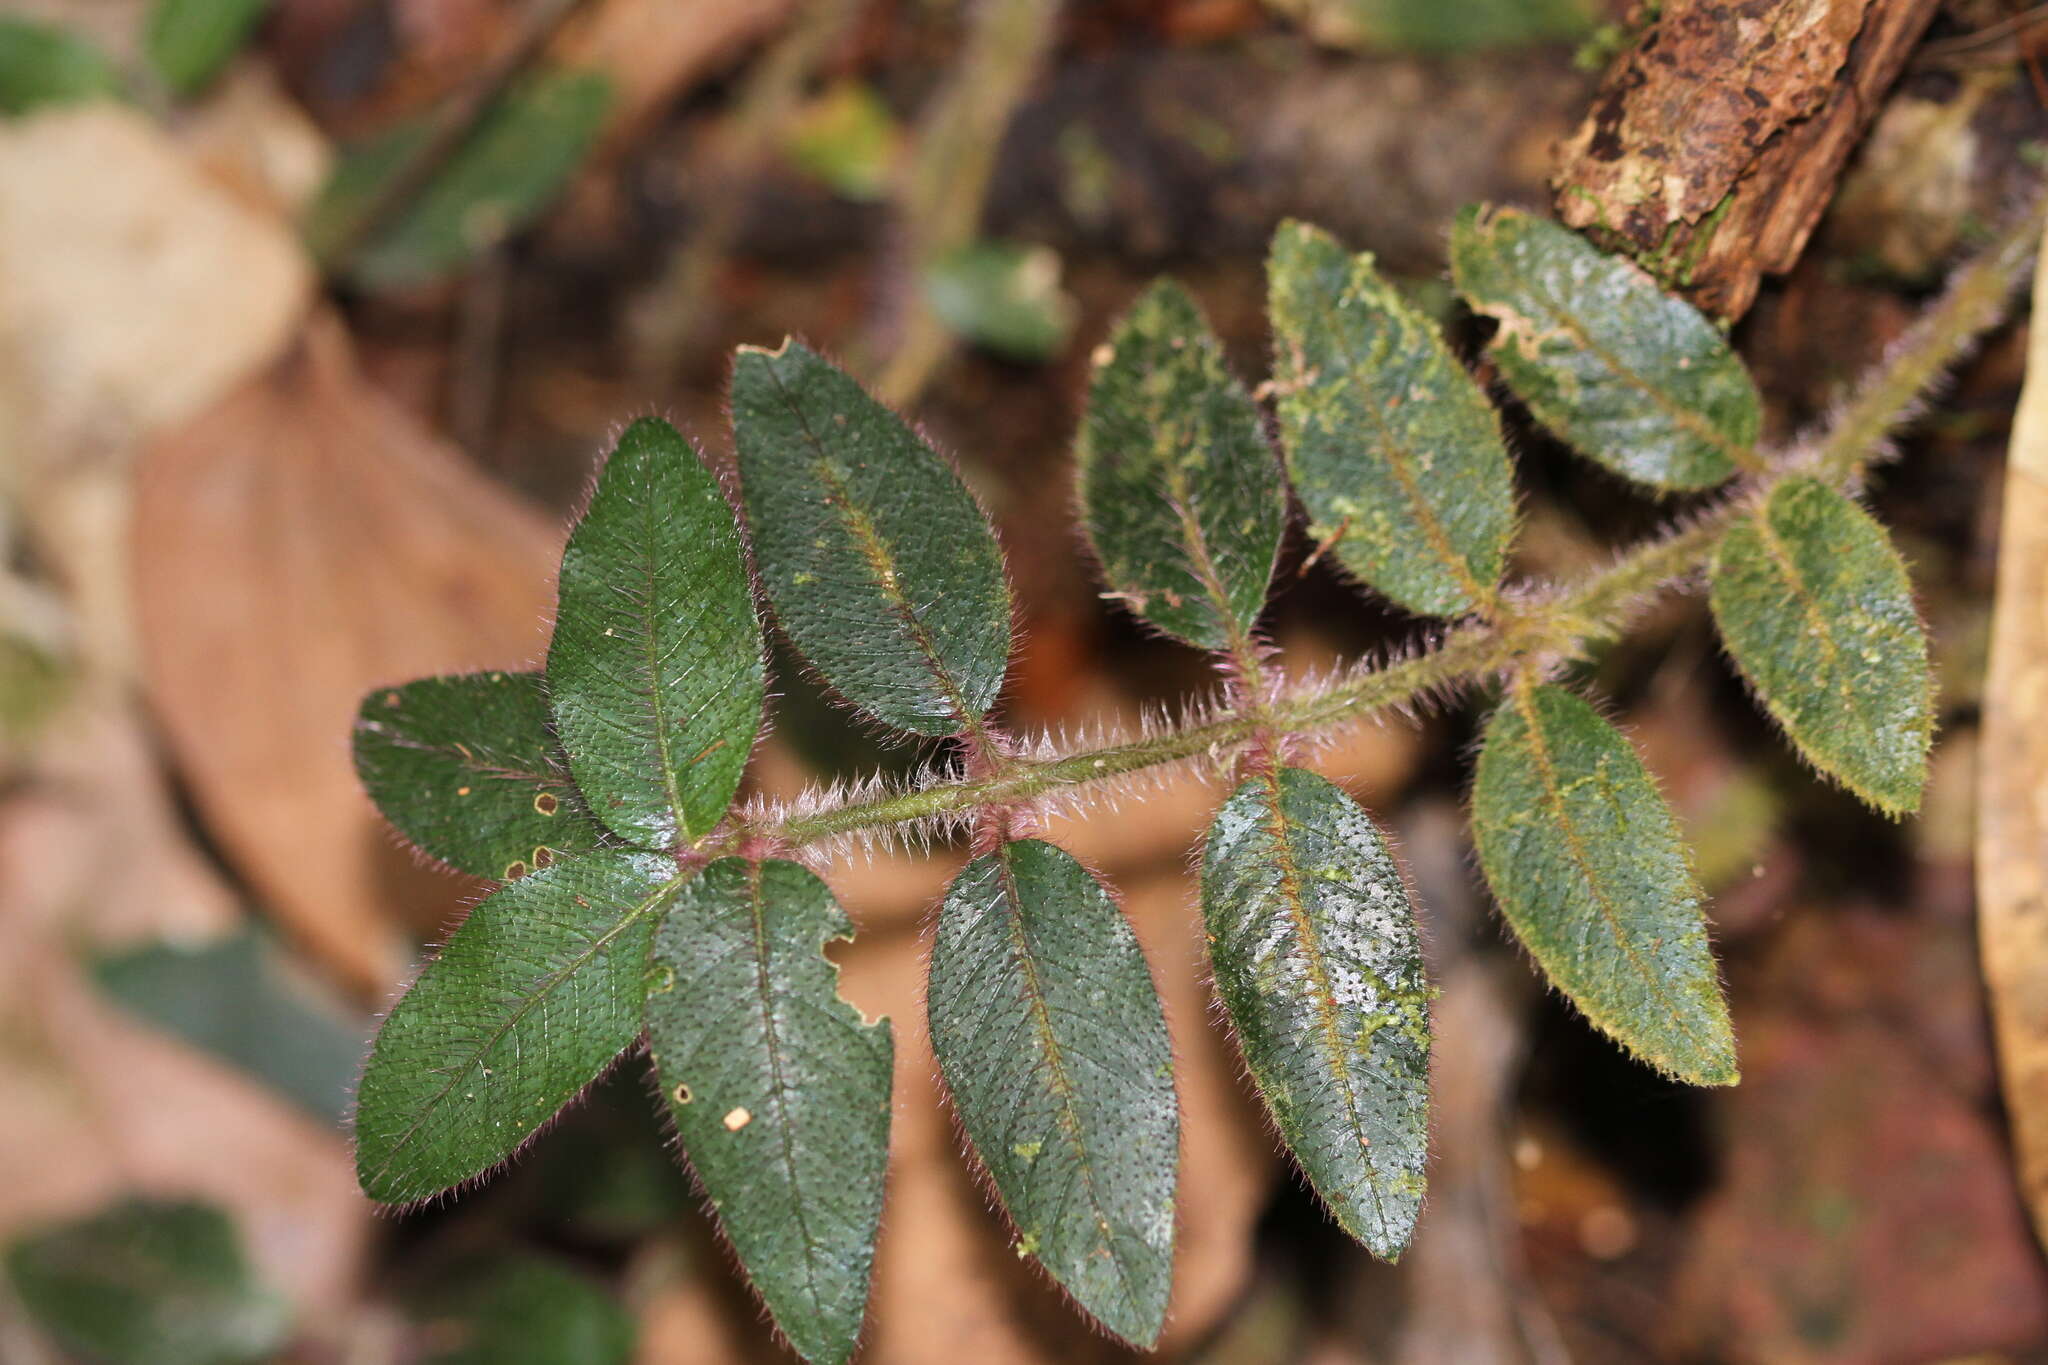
2012,797
1714,144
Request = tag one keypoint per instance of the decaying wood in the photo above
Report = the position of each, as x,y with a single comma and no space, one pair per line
2012,794
1714,144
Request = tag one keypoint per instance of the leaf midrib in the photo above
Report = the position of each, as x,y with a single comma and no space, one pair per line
1683,417
1025,955
1319,979
512,1020
1553,796
876,552
1396,450
765,993
1780,555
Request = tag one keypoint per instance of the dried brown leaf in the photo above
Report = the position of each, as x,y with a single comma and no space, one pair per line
298,544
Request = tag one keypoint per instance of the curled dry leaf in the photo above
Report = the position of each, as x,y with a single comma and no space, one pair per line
295,546
2012,799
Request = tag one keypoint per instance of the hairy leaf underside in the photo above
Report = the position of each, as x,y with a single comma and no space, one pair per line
1395,452
1586,862
1816,609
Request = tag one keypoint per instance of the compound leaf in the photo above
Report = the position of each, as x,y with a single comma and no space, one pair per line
1585,859
188,41
1394,450
537,991
779,1090
149,1282
466,767
1180,492
880,565
1052,1041
655,672
1314,947
1637,379
1817,610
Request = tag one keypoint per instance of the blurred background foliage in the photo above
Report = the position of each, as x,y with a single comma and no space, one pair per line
313,316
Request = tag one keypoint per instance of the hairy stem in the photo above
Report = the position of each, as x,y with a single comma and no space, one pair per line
1547,628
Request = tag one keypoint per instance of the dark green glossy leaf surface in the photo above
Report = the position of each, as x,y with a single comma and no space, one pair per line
189,41
506,172
1394,450
655,672
1053,1044
517,1308
779,1090
1314,946
881,567
1585,859
45,64
532,997
1817,610
148,1283
1634,378
467,768
237,999
1180,493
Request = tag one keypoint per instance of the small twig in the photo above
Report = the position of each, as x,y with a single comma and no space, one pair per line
671,312
1992,45
453,121
941,204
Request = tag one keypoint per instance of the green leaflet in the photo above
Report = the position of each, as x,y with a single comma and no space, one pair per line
532,997
508,170
1817,610
881,567
1005,296
655,672
1316,958
1585,859
779,1090
1396,453
466,767
149,1282
1180,493
516,1308
45,64
1051,1039
1635,378
189,41
239,999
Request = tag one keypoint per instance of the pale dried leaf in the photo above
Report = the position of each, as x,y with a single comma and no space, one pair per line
133,295
2012,800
